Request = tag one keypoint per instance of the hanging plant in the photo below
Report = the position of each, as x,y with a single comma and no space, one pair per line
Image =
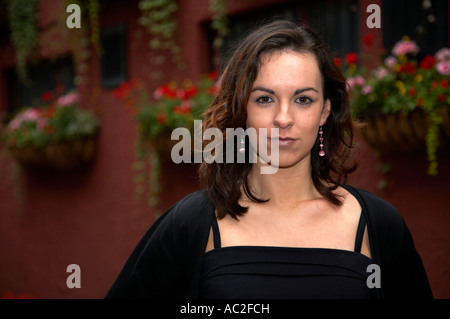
402,95
173,105
158,17
22,16
219,21
93,8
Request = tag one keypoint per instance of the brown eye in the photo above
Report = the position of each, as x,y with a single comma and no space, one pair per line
264,99
304,100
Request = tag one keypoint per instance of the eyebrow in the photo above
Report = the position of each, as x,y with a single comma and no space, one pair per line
259,88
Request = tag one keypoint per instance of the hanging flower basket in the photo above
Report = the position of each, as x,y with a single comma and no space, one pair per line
400,133
58,135
59,156
163,145
173,105
404,102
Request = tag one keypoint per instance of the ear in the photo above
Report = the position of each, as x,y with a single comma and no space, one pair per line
325,112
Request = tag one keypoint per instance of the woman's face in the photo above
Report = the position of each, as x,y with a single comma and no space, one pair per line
287,94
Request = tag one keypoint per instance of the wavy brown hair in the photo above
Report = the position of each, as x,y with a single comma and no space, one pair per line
224,181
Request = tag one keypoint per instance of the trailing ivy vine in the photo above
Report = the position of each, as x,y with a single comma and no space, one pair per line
22,16
219,21
93,8
432,138
158,17
160,21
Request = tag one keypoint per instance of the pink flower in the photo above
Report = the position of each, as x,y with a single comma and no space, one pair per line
68,99
390,61
359,80
30,114
443,54
158,93
443,67
41,124
405,47
381,73
367,89
350,83
14,124
184,108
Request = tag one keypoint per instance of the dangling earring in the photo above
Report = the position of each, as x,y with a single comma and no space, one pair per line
242,148
321,152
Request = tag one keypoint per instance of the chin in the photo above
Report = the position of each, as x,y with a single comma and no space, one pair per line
291,160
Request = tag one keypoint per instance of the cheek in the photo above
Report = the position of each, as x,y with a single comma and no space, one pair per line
258,118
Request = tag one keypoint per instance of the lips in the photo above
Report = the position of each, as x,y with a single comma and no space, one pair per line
284,141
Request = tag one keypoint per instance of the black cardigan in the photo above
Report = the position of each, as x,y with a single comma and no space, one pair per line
167,261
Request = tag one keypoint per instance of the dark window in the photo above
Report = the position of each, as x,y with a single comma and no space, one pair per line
45,76
425,24
337,22
113,60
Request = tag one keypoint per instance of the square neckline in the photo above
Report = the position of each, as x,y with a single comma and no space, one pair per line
357,247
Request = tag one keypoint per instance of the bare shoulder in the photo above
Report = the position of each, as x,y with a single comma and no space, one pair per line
349,201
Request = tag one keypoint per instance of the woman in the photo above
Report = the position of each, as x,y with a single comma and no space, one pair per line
296,233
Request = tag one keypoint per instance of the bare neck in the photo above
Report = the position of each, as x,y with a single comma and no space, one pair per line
287,186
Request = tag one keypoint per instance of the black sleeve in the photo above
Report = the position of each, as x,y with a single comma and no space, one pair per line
163,264
402,272
405,275
150,271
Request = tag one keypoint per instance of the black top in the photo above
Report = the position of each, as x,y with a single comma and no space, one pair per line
168,260
284,272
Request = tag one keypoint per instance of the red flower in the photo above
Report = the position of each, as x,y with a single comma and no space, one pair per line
412,91
408,67
351,58
420,102
161,118
48,113
46,96
123,91
184,108
368,39
337,62
188,93
444,84
441,98
166,91
434,84
428,62
213,75
213,90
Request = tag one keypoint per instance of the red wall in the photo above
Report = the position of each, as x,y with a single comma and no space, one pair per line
89,217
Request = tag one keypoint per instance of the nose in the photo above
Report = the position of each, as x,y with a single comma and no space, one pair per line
283,118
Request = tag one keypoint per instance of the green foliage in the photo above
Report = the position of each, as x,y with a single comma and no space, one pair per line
220,21
58,121
173,105
404,84
158,17
24,34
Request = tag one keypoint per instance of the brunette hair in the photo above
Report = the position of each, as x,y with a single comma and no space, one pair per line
223,181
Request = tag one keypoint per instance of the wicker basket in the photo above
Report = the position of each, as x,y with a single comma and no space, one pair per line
163,146
57,156
398,133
